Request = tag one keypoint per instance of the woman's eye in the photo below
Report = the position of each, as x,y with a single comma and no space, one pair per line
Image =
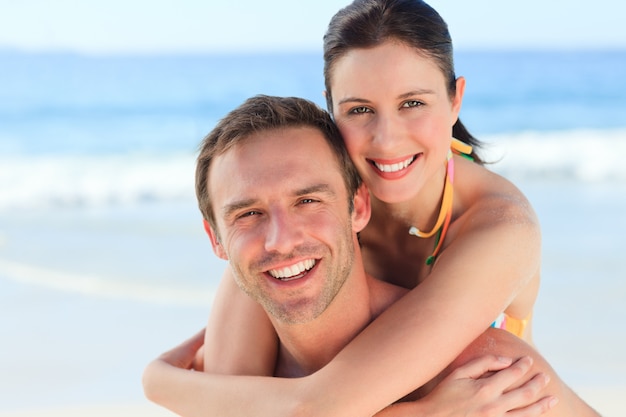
412,103
360,110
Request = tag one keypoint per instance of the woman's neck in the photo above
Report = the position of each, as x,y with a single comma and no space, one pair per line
421,210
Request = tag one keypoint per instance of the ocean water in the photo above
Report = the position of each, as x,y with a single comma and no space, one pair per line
81,131
101,241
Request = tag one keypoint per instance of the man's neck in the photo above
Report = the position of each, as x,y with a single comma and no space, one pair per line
305,348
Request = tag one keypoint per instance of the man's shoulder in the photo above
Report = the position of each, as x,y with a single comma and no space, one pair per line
383,294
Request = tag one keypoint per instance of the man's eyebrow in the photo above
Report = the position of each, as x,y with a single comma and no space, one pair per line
235,206
316,188
230,208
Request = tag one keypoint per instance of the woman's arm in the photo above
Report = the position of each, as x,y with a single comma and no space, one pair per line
494,254
404,348
240,339
168,382
486,386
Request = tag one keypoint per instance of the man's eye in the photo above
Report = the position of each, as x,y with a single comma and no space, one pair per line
249,214
307,201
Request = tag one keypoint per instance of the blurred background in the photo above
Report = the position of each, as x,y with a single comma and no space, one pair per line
103,260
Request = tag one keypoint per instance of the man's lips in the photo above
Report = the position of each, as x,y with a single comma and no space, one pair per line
293,272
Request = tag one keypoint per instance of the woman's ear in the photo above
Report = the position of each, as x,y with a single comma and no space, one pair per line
457,100
218,249
362,209
329,103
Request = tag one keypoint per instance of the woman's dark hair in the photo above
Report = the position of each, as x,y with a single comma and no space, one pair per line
367,23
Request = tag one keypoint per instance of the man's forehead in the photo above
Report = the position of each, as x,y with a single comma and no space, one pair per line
270,146
282,158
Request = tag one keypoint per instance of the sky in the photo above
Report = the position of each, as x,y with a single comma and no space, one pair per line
181,26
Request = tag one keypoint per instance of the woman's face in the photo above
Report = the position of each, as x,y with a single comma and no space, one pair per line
396,116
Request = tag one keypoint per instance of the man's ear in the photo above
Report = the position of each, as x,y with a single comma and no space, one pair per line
218,249
362,209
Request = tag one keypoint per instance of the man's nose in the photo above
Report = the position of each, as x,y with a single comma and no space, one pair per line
283,233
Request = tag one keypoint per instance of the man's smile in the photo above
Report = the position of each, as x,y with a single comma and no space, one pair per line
294,271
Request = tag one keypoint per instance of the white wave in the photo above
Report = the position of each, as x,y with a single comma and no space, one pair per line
44,181
578,155
106,287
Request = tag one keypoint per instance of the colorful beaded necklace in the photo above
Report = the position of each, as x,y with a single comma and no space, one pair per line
445,213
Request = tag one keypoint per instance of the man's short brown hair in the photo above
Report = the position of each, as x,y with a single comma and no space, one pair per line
260,114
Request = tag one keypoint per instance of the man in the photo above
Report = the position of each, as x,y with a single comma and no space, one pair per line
287,223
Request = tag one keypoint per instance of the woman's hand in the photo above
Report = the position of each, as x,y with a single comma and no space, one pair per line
482,387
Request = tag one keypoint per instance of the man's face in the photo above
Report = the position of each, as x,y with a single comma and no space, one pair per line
283,221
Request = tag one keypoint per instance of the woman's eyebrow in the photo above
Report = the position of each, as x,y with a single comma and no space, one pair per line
353,100
418,92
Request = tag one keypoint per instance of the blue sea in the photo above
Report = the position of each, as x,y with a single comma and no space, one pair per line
103,260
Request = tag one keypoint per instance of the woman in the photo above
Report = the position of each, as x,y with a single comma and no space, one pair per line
463,238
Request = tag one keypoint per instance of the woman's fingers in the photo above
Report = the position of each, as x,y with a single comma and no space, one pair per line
530,393
482,366
505,387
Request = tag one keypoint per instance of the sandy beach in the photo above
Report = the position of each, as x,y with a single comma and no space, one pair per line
104,264
140,410
90,295
71,349
609,402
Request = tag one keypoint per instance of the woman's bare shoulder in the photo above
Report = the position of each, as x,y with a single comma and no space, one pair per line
489,197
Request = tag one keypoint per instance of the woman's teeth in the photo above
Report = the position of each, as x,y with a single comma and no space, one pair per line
394,167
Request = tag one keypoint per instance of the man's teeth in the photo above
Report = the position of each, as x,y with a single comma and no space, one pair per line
293,270
394,167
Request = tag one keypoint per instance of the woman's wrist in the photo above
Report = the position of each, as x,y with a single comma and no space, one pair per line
408,409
